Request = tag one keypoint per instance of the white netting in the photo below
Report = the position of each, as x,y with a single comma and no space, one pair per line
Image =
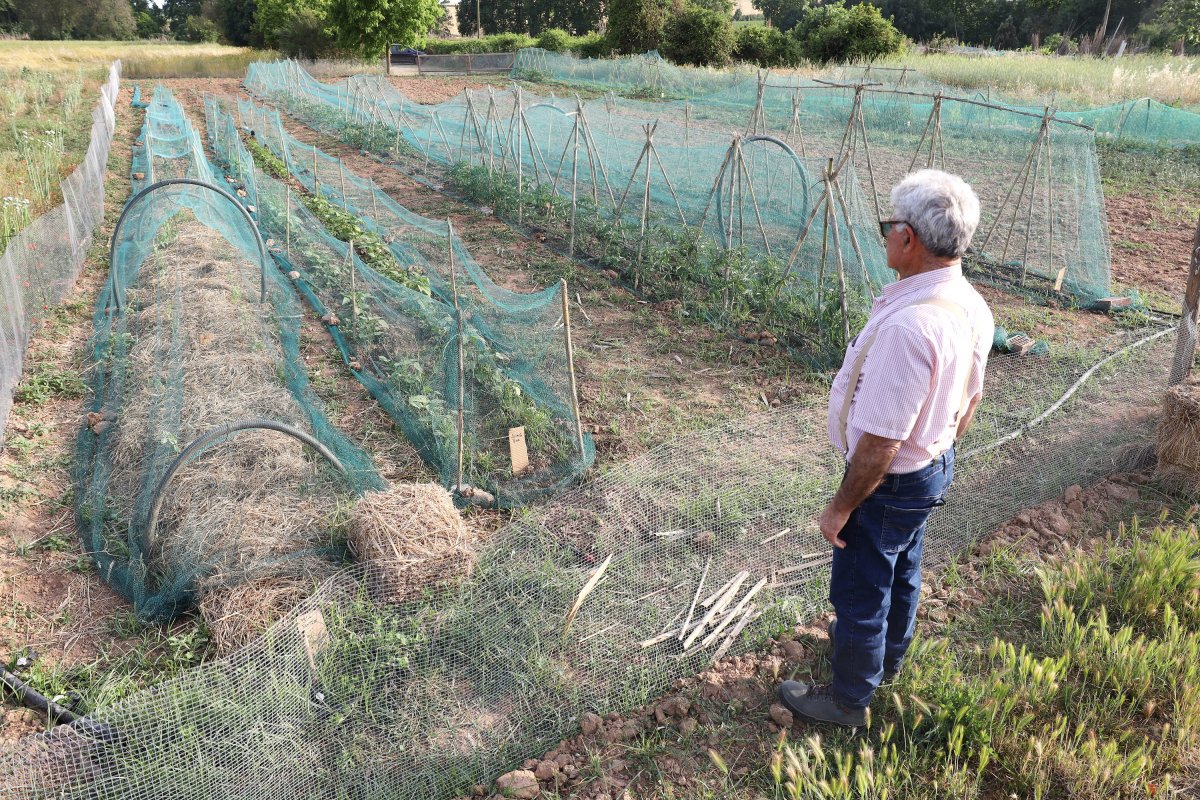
42,262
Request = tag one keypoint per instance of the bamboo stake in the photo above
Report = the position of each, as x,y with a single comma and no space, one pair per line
841,267
732,615
1037,164
799,242
645,198
862,123
775,536
353,286
746,619
670,186
1037,149
1008,195
342,181
716,595
1050,200
574,190
518,116
566,303
597,574
716,608
288,224
928,126
754,203
461,366
695,597
713,193
862,261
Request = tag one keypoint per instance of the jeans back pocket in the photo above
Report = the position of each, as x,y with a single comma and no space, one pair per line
900,525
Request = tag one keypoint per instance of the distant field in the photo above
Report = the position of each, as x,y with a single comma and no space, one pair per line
140,59
1069,80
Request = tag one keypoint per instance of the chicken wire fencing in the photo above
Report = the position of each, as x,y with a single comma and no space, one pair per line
41,263
426,330
195,336
595,603
769,227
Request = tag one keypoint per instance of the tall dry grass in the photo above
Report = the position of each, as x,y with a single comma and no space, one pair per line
1068,81
140,59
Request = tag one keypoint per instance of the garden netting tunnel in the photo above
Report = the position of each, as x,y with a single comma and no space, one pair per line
423,328
197,330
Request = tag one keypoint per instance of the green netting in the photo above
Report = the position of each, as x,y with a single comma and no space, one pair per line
1143,121
402,339
648,75
352,697
184,342
733,226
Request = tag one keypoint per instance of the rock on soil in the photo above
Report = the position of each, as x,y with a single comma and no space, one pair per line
520,784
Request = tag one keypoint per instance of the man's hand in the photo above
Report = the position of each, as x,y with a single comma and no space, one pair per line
833,520
872,457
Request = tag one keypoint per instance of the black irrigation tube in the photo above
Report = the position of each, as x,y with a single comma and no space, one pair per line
34,699
202,442
112,246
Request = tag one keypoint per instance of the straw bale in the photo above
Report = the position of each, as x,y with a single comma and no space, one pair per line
1179,438
236,614
410,538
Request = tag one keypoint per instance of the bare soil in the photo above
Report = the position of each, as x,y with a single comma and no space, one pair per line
1152,241
51,599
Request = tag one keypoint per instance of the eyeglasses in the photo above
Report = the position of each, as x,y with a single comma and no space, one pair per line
886,225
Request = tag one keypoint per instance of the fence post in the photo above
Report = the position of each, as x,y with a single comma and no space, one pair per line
1185,341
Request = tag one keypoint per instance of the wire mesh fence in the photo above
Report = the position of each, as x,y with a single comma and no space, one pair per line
41,263
596,602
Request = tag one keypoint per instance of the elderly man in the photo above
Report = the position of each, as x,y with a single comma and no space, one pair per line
907,389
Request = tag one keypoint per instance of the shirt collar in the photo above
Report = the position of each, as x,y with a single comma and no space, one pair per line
916,283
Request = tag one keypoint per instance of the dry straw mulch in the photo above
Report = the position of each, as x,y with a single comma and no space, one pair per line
1179,438
410,538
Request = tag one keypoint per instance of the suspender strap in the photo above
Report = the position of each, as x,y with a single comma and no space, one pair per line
861,358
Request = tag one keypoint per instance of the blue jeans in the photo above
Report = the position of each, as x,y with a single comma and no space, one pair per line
876,578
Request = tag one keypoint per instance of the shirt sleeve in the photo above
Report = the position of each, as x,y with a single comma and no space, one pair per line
896,383
983,346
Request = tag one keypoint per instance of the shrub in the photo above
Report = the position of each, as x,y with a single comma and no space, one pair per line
593,45
495,43
834,33
556,40
758,44
699,36
304,36
199,29
636,26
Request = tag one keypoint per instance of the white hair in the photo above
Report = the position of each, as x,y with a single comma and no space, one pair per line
941,208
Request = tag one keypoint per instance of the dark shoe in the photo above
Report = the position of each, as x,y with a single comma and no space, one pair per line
819,704
888,674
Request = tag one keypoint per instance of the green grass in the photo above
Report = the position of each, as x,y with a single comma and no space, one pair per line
1097,695
48,381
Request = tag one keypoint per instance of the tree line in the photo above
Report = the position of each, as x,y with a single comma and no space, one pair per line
296,27
690,31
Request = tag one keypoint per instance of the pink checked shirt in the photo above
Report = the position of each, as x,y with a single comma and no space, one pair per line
911,385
